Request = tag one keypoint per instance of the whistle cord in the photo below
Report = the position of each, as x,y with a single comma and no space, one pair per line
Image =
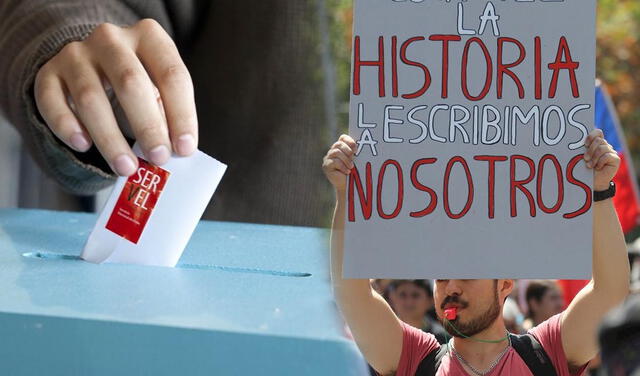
447,322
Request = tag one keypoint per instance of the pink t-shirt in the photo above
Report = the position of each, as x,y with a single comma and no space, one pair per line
418,344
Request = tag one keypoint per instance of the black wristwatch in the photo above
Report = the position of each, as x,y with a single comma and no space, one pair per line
603,195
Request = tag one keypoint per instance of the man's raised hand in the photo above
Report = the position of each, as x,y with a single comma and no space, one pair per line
602,158
338,161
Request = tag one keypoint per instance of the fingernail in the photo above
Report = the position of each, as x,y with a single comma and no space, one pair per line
79,142
185,145
587,158
124,165
159,155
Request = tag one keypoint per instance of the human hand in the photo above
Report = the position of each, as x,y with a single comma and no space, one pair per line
134,61
602,158
338,162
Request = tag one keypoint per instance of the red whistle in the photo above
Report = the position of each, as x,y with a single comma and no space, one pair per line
451,313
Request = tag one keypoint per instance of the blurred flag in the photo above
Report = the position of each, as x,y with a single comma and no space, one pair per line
626,200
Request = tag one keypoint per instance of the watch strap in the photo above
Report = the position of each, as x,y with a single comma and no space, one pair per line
603,195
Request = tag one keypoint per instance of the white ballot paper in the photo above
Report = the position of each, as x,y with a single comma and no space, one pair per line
151,214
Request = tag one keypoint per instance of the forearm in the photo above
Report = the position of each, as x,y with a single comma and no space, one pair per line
610,260
608,288
345,290
374,326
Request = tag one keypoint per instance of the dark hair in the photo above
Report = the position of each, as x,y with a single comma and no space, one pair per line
536,290
424,284
619,336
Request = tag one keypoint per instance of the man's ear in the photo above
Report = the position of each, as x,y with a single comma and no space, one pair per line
505,287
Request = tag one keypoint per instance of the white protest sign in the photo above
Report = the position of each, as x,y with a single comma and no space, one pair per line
470,119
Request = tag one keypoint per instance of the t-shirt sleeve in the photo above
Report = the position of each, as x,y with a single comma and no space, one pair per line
549,334
416,345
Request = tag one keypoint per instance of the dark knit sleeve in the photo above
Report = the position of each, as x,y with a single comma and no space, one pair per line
33,31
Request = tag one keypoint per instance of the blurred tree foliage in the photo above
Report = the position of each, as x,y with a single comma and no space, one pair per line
618,63
618,60
341,12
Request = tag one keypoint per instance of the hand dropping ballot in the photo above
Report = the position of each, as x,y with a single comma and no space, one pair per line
150,215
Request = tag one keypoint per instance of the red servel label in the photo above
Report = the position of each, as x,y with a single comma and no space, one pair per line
137,200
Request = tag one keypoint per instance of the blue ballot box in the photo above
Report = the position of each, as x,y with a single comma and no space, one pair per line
245,300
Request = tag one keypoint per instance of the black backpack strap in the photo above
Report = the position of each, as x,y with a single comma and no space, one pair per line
533,354
430,364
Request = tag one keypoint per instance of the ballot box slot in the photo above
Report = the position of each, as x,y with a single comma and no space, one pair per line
232,269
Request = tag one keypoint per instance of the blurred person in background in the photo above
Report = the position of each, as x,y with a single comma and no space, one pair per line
620,331
544,300
512,316
412,301
620,340
634,261
381,285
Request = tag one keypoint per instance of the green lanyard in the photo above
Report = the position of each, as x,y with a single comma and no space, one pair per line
447,322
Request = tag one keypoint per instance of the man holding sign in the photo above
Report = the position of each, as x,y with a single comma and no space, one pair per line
480,345
470,121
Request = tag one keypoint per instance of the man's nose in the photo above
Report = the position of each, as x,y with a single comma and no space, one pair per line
453,287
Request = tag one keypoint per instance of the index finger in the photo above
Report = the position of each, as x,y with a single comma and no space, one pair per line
161,58
349,141
593,135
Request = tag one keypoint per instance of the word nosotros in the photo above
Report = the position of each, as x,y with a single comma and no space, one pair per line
518,166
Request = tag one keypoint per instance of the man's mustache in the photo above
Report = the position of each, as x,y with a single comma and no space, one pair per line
454,299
